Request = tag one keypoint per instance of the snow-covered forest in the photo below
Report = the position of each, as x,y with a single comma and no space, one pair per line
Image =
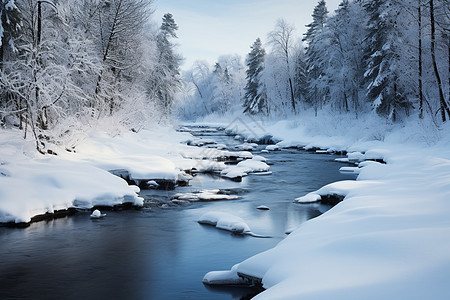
66,64
389,58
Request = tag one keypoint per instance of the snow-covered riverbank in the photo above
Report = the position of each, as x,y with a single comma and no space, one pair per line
32,184
389,238
86,171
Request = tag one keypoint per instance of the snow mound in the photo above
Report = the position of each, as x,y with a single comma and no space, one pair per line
244,168
96,214
246,146
308,198
224,278
40,186
356,156
225,221
259,158
339,190
139,154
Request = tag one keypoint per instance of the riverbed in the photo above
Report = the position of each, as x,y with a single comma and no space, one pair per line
160,251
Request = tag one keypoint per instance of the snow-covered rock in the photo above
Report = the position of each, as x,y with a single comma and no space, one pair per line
246,147
244,168
206,195
308,198
253,165
355,156
259,158
96,214
200,142
225,221
230,278
272,147
152,183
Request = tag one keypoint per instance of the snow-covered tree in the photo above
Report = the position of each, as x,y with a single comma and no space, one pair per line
345,71
116,28
300,75
385,78
281,39
442,21
165,81
9,26
255,100
76,61
317,40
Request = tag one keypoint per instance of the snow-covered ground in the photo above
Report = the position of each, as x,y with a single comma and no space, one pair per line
388,239
32,184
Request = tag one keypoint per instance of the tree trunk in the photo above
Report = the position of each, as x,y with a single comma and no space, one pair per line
2,46
420,61
39,23
292,94
443,104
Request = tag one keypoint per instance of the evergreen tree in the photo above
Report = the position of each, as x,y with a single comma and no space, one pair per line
316,38
383,75
300,79
254,98
9,25
347,45
165,81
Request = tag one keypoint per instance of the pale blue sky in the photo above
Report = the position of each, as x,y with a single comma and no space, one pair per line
210,28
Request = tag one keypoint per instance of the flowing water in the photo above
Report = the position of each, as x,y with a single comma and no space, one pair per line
160,251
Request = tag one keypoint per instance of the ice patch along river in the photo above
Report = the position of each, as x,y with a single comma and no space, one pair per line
161,251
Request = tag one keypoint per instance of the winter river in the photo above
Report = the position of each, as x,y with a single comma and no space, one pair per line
160,251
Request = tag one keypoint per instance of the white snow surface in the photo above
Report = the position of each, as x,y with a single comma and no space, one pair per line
32,184
272,147
225,221
388,239
36,185
206,195
223,278
308,198
245,167
96,214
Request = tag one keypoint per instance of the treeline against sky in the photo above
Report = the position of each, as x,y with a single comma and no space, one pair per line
389,57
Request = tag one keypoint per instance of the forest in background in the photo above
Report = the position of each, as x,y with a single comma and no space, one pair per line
388,58
67,64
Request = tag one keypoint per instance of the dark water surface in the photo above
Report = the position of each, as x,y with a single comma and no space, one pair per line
157,252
